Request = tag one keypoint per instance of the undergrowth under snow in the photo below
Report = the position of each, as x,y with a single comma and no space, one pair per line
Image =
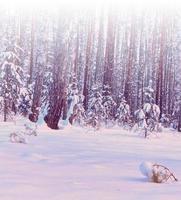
79,164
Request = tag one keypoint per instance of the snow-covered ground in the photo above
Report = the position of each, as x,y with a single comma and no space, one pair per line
76,164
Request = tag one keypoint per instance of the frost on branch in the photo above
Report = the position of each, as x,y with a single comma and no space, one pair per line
157,173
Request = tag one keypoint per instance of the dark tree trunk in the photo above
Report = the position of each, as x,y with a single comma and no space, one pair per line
65,108
76,58
5,110
109,55
32,50
33,116
53,116
159,87
55,105
129,66
57,91
100,52
179,119
87,64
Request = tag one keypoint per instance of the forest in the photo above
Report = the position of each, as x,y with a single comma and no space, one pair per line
91,67
90,99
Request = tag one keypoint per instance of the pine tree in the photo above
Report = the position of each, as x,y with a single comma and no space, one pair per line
151,110
96,112
123,113
11,79
76,112
109,104
25,101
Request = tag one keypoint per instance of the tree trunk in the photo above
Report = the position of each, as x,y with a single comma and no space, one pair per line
57,91
87,64
33,116
128,81
100,52
179,119
5,110
32,50
109,55
55,105
159,87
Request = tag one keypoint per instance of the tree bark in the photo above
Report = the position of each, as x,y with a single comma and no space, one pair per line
110,50
87,64
32,50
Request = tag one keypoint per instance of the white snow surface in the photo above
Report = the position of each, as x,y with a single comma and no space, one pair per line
77,164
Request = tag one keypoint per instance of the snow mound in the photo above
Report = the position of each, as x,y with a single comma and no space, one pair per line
146,169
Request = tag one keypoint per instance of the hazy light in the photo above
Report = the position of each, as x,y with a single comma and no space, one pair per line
53,5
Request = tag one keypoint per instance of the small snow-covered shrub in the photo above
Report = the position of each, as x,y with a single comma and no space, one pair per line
109,105
30,129
147,120
93,122
165,120
157,173
140,125
22,132
17,138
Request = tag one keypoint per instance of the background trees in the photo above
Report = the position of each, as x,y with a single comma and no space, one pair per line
118,53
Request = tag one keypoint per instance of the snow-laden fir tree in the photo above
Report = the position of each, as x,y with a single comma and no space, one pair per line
147,118
96,112
165,120
11,79
25,101
109,104
140,122
79,112
151,110
123,113
76,113
148,93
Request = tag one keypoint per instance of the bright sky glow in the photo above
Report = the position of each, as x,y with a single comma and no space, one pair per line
53,5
